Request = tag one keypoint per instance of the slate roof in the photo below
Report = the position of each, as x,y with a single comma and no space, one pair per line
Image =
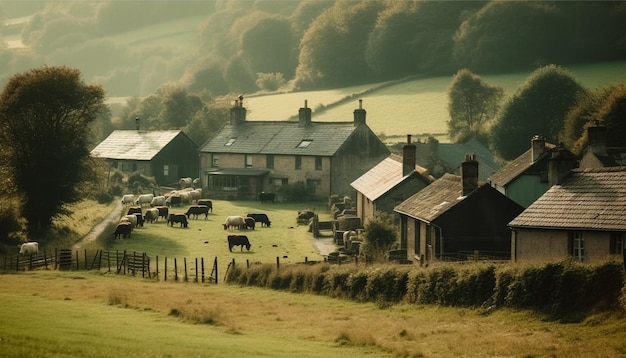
280,137
133,144
453,154
614,156
434,200
518,166
384,176
590,199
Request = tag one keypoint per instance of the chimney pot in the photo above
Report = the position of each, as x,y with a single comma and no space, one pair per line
408,156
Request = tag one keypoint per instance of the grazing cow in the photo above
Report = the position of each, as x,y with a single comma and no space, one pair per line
196,210
234,221
173,200
144,199
261,218
177,218
207,203
164,212
133,210
29,248
158,201
132,218
140,219
128,199
123,230
238,240
267,197
152,215
248,223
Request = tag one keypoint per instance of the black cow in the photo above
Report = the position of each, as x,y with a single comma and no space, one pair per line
164,212
261,218
238,240
123,230
177,218
267,197
174,200
207,203
134,210
196,210
249,223
140,219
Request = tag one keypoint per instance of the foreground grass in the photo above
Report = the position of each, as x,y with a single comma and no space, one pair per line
91,314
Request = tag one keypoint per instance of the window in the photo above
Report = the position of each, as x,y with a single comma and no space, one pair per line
577,245
269,161
305,143
617,243
230,142
216,160
166,170
248,161
298,162
318,163
279,181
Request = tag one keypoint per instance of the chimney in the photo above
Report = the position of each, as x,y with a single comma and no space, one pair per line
238,112
596,139
538,147
304,115
469,174
408,156
359,114
560,164
137,123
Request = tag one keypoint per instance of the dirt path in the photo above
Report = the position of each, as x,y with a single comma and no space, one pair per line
96,231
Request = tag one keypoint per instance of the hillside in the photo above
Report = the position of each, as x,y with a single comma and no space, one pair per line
414,106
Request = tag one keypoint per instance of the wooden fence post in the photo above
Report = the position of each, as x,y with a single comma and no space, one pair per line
277,263
196,279
185,265
202,262
157,267
175,270
165,270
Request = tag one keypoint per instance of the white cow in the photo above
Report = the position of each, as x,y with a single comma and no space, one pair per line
128,199
29,248
158,201
144,199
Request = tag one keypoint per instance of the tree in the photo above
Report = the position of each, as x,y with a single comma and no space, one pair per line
45,115
380,233
471,104
539,106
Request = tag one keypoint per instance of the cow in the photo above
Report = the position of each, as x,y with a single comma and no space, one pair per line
177,218
164,212
128,199
233,221
207,203
238,240
133,210
196,194
158,201
249,223
267,197
185,183
132,219
123,230
151,215
196,210
261,218
144,199
140,219
173,200
29,248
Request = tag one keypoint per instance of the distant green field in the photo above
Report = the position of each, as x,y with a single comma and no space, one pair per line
417,107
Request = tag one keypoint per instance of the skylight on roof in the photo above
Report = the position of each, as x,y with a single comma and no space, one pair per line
305,143
230,142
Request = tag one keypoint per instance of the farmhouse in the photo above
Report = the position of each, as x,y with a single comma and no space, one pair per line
389,183
165,155
246,158
526,178
457,218
582,217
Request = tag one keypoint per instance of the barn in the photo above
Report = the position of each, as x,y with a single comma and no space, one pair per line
166,155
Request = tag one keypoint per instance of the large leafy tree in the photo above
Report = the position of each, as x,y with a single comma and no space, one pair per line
380,234
472,103
539,106
45,115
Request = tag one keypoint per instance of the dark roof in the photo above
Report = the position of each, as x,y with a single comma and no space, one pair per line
280,137
519,165
133,144
453,154
435,199
386,175
238,171
614,156
592,199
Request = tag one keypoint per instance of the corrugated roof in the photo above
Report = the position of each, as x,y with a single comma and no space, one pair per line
280,137
518,166
133,144
385,176
434,200
593,199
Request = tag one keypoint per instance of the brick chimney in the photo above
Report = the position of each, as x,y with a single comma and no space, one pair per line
359,114
469,174
538,147
408,156
304,115
238,112
596,135
560,164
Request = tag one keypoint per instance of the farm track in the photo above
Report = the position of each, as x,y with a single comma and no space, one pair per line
97,230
